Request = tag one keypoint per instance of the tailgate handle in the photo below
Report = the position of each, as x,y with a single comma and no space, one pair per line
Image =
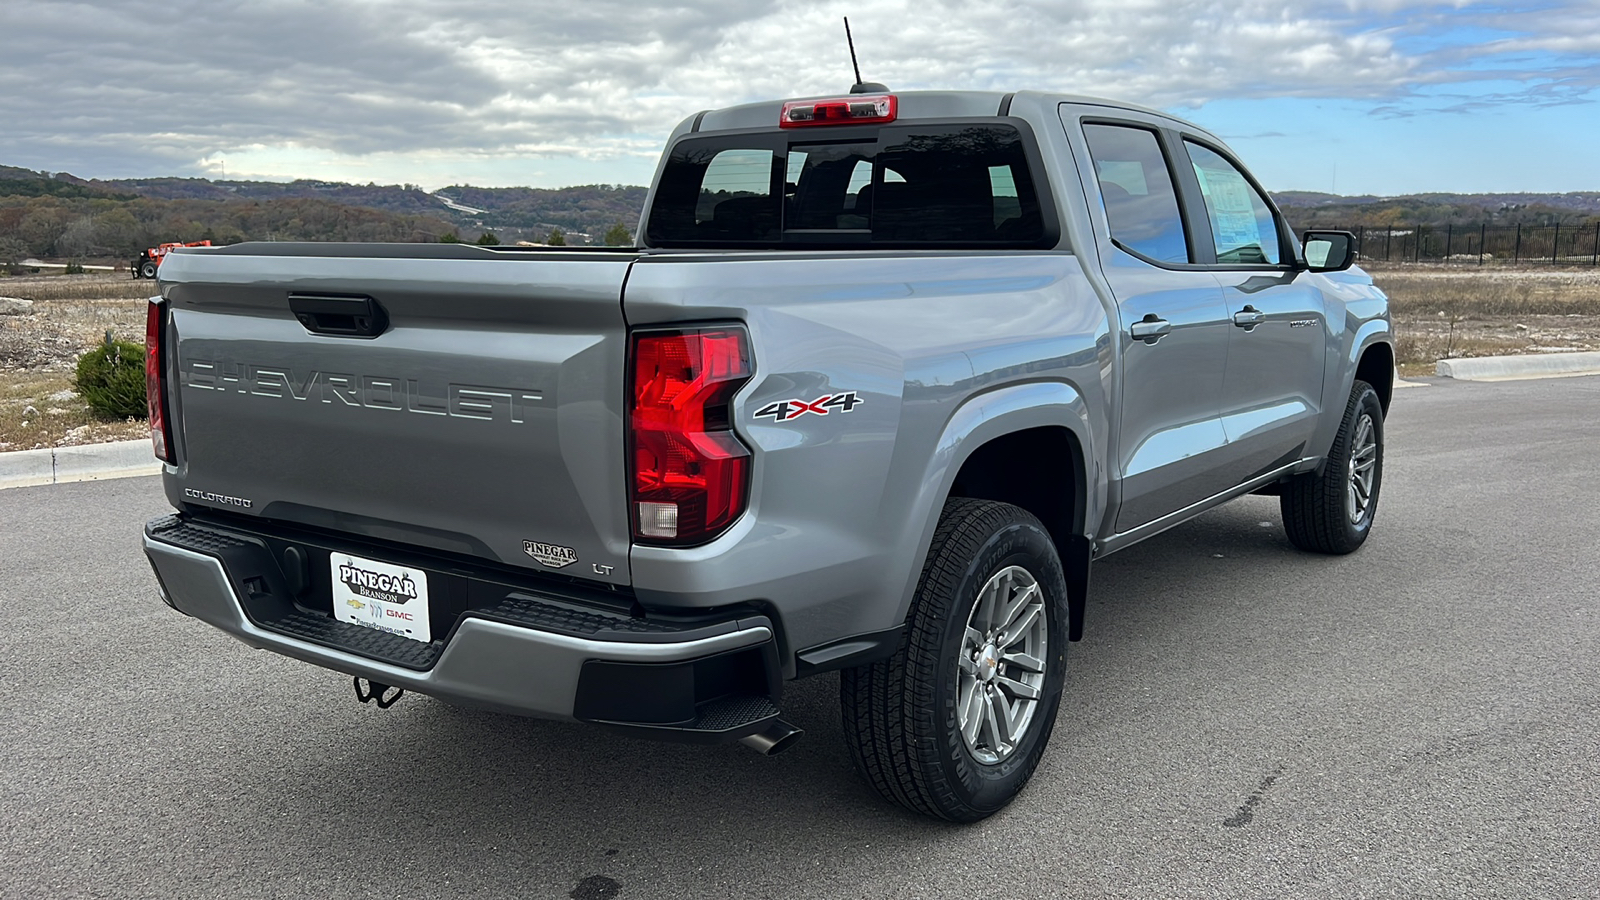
339,315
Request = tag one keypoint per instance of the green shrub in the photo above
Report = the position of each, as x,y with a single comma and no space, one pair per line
619,236
111,379
74,269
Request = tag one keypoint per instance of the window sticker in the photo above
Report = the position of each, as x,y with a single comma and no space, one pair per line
1233,217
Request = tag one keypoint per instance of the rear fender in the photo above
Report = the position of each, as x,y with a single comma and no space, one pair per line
1000,412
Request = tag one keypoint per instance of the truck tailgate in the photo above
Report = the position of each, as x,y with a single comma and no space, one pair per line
484,419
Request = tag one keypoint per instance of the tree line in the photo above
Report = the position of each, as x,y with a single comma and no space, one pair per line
87,227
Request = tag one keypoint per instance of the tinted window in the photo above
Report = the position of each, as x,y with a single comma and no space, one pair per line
1141,205
824,186
924,184
1241,222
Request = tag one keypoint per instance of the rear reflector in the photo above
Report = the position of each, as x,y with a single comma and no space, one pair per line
843,111
155,379
690,473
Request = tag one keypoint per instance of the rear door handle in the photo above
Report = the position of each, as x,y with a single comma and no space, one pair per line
1150,329
1249,318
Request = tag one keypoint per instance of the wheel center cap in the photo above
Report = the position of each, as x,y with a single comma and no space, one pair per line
988,662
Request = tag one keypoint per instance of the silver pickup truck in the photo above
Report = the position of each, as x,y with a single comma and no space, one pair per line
886,373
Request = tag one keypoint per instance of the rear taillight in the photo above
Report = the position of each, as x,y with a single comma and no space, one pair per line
853,110
691,476
155,378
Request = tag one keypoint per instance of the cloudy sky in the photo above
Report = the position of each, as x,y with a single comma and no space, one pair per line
1380,96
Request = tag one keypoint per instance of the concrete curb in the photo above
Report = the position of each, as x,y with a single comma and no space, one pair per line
1508,368
63,465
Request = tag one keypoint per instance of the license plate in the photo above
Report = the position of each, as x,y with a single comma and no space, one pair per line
380,595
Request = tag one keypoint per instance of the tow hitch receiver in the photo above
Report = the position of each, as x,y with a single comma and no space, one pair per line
377,692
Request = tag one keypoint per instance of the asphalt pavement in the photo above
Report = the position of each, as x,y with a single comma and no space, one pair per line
1419,719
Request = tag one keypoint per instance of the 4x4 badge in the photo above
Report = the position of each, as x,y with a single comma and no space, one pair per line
787,410
552,555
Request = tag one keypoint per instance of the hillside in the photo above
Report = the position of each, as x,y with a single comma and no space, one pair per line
60,215
1308,209
64,217
512,213
589,209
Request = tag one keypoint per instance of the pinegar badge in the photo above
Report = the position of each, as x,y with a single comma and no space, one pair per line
552,555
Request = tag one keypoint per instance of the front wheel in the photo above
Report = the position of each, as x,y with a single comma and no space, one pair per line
1332,511
147,270
954,723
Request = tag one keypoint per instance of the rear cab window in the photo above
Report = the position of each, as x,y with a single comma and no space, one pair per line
912,184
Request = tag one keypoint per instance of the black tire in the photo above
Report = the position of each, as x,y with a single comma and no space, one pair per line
147,270
900,718
1317,506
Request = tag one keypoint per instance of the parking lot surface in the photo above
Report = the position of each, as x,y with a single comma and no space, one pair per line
1420,719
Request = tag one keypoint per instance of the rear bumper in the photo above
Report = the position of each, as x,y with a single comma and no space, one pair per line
704,682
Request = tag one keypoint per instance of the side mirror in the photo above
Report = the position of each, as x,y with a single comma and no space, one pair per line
1329,251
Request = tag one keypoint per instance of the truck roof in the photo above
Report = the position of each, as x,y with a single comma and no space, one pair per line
914,105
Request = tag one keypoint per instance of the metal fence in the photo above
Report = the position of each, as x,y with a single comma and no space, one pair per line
1562,245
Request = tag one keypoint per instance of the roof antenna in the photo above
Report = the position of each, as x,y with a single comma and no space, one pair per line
860,87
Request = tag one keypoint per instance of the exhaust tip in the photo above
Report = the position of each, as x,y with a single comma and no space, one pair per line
774,739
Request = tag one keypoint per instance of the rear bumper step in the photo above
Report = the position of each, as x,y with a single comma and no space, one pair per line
533,653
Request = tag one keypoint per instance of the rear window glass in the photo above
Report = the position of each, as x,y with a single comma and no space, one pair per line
922,185
1141,204
733,180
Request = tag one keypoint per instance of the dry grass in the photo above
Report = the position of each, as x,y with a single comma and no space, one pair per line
96,286
39,350
1451,312
39,409
70,314
1465,291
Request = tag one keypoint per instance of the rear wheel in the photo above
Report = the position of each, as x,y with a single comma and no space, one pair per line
1332,511
954,723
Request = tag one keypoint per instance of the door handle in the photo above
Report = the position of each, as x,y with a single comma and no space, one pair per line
1150,329
1249,317
339,315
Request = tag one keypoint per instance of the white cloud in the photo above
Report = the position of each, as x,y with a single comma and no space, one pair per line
336,85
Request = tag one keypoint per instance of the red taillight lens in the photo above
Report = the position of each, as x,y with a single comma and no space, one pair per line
843,111
155,379
691,476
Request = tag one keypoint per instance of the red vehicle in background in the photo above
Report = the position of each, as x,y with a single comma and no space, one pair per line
150,260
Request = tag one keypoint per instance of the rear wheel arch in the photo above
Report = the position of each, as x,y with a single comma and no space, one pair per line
1041,470
1037,469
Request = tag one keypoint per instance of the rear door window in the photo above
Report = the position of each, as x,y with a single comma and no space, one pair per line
1136,186
926,184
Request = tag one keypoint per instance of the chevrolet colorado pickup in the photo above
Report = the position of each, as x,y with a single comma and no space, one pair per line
883,377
